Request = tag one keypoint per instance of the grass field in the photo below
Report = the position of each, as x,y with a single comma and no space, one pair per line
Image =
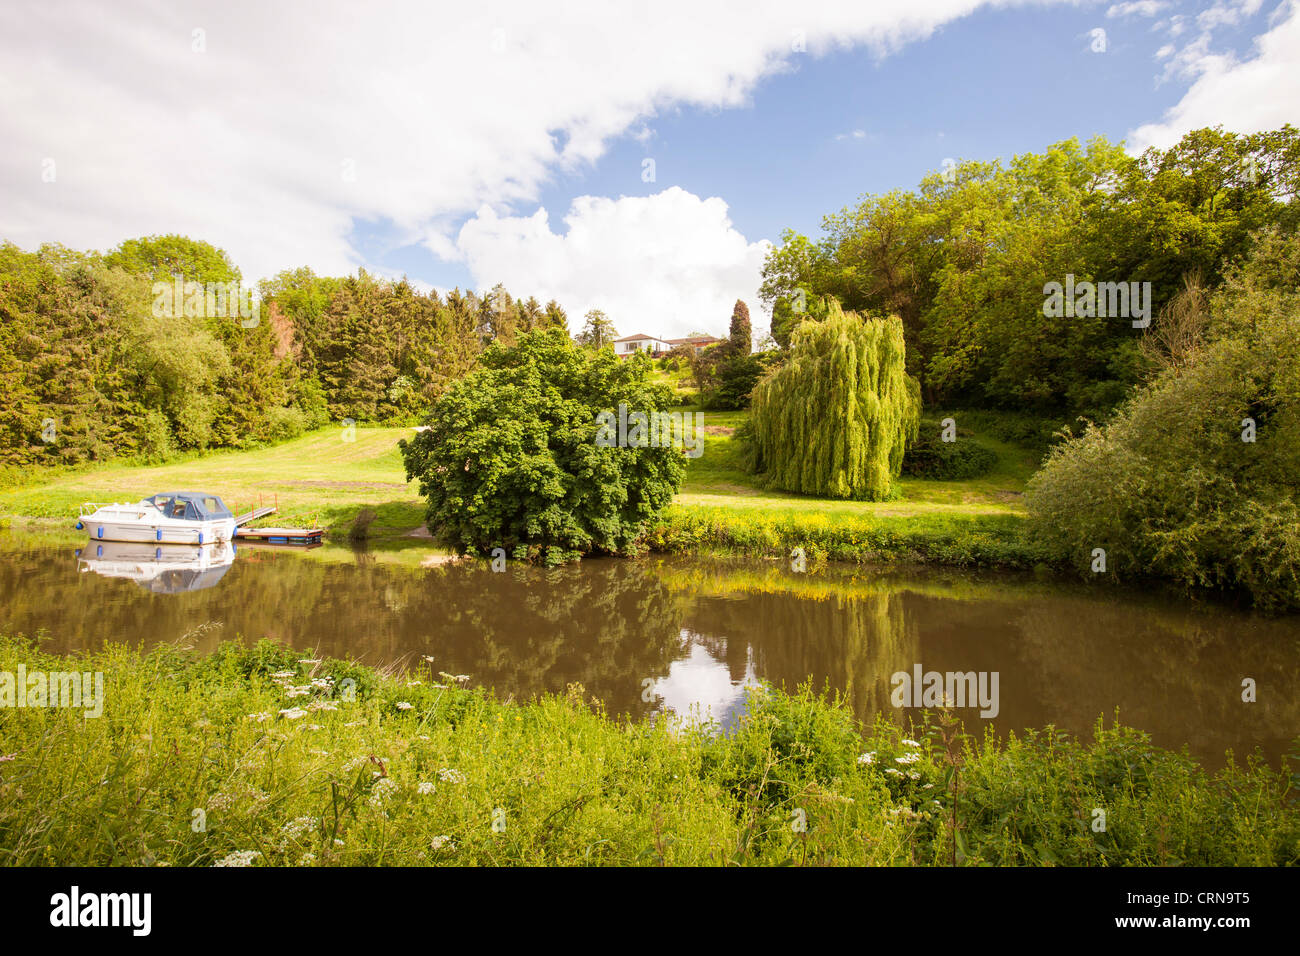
319,477
324,479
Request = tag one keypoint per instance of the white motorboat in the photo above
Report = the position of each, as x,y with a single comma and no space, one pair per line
160,568
175,517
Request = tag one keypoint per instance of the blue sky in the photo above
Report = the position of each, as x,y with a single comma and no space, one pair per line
505,141
994,84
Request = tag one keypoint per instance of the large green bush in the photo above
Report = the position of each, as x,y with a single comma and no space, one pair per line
932,457
1171,486
511,457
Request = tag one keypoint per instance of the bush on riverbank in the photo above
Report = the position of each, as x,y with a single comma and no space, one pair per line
258,756
1197,477
548,451
959,540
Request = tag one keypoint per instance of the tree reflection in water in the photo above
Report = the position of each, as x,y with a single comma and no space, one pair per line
648,633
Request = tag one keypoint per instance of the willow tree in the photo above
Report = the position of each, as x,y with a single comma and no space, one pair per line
835,419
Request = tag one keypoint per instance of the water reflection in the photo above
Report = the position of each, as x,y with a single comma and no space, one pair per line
162,569
681,634
702,687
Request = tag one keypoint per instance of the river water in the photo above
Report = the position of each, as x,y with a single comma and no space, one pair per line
688,635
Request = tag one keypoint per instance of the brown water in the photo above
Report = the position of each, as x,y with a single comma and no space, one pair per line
649,634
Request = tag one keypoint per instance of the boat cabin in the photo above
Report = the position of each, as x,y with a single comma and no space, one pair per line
191,506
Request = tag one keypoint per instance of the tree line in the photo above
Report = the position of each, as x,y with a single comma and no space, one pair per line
99,359
965,258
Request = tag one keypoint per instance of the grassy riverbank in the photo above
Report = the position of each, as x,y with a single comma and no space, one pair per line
324,479
199,760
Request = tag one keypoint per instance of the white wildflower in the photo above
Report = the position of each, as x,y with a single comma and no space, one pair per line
238,858
383,789
298,826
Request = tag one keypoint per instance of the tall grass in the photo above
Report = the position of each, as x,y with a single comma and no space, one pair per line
954,539
216,760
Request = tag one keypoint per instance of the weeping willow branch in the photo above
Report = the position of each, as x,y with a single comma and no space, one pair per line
835,419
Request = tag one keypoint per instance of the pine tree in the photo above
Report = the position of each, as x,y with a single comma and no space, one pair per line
742,336
598,331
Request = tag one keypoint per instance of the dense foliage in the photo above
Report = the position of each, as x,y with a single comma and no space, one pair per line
95,364
90,368
511,457
932,457
963,260
1197,477
835,419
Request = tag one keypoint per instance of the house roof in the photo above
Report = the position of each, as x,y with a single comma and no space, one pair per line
689,340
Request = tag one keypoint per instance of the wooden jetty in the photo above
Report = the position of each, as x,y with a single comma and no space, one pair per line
259,510
298,536
302,537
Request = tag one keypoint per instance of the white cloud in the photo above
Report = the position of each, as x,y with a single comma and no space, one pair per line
666,264
1245,96
1227,13
436,109
1141,8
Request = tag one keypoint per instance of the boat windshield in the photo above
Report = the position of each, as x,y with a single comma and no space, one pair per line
190,506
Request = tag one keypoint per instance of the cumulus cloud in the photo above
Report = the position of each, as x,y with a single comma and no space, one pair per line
666,264
273,129
1258,93
1141,8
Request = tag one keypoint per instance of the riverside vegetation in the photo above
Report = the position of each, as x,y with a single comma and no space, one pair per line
268,756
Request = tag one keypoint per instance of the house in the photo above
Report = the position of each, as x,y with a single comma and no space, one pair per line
656,347
640,343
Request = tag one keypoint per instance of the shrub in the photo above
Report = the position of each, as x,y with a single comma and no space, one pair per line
514,456
1195,478
931,457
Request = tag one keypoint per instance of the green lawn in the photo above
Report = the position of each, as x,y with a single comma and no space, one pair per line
324,479
317,477
716,479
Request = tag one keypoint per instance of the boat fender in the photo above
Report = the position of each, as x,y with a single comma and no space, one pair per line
157,554
99,550
101,531
200,537
80,526
159,532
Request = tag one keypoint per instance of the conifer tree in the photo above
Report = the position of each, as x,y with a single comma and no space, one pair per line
742,336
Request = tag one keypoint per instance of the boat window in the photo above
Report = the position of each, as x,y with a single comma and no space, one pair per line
162,504
213,505
178,510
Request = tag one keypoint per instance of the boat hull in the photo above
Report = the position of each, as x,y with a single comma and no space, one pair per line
192,532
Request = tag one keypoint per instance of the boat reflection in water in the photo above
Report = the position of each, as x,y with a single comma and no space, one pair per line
163,568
